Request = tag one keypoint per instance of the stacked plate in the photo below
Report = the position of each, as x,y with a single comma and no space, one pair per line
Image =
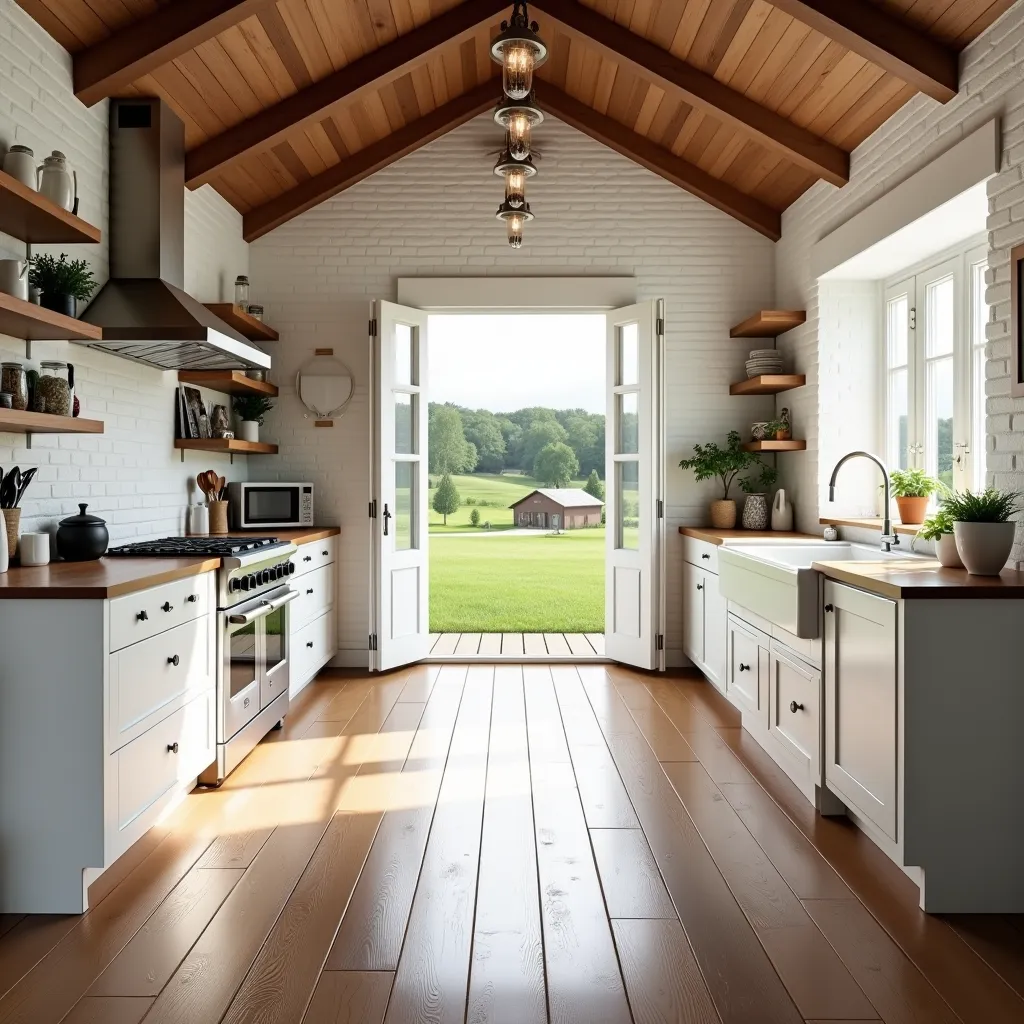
764,361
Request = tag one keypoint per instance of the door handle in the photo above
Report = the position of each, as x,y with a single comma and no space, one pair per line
700,586
708,557
175,661
794,707
265,608
744,668
829,608
387,516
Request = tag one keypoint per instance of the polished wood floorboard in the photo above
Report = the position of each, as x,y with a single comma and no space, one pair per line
508,844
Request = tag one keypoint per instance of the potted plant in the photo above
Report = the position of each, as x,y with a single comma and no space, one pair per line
983,527
778,430
710,461
755,508
912,488
62,282
938,528
250,410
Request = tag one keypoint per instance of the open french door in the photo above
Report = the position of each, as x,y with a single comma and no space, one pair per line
634,487
399,578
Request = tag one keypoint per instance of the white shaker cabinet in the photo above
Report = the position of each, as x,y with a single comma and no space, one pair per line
312,628
705,615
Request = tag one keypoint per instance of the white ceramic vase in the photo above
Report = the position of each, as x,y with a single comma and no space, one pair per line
248,430
984,547
946,552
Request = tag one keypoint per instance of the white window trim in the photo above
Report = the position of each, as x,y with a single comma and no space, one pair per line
517,294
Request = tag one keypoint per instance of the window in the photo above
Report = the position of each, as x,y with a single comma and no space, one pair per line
935,370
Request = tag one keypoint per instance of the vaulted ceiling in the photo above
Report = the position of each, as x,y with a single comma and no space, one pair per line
745,103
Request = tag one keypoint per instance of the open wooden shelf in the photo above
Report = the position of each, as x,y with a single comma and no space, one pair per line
21,319
769,323
14,421
227,382
249,326
31,217
768,384
775,446
229,446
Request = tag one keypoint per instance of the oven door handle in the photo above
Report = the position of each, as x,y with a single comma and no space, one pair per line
265,609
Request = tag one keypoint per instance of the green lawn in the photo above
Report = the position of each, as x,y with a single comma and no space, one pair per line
537,584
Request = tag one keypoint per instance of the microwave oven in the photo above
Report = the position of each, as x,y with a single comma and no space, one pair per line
271,505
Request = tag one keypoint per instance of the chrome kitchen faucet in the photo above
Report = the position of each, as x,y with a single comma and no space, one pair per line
889,536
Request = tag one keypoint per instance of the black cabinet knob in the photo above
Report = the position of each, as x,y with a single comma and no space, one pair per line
794,707
310,590
193,598
309,643
143,616
175,661
744,668
172,748
700,586
829,608
167,606
708,557
325,553
308,558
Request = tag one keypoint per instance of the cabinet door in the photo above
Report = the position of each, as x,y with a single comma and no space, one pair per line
793,707
693,614
743,668
861,695
716,625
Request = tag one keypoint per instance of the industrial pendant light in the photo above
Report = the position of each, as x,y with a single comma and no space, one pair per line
519,50
514,219
518,117
515,173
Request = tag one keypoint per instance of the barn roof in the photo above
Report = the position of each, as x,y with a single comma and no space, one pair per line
567,497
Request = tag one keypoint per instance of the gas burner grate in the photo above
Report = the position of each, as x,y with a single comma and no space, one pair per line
184,547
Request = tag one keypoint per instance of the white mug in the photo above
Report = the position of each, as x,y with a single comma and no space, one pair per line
14,278
198,521
20,163
34,548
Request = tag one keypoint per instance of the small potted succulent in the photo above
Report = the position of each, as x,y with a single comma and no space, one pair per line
250,410
984,528
62,282
778,430
912,488
711,461
938,528
755,508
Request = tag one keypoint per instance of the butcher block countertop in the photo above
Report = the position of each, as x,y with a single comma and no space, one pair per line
112,577
915,579
710,535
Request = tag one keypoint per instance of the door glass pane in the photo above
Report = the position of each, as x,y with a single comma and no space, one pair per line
629,354
405,420
628,405
941,318
405,355
897,328
939,422
628,504
405,506
243,658
896,428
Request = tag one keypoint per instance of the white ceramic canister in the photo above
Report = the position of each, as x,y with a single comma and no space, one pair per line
20,163
34,548
14,278
56,182
198,520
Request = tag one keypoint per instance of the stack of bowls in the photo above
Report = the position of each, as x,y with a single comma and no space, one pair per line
764,361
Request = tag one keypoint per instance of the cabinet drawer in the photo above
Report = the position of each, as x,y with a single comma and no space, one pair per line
313,646
316,595
149,766
793,700
314,555
149,678
136,617
744,685
701,553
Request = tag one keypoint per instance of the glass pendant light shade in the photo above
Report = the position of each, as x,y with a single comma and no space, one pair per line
519,50
519,137
518,118
515,187
514,226
514,219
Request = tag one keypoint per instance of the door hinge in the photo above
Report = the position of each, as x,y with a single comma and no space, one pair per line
659,325
373,509
373,327
660,641
913,318
660,505
373,642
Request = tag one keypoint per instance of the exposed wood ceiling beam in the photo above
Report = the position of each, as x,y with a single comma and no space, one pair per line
147,44
884,40
392,60
661,161
649,60
367,161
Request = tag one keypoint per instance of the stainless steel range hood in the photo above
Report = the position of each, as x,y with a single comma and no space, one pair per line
143,309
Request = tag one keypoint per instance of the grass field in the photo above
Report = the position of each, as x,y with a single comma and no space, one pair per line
540,584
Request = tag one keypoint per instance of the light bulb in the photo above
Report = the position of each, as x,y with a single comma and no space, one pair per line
514,224
517,59
519,136
515,187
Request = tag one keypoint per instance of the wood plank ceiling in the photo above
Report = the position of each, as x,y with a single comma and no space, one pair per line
746,103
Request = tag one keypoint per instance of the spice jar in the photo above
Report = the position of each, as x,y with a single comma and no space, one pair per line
242,293
14,382
54,387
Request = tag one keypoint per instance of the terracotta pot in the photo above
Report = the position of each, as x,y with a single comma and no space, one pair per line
782,435
723,515
912,510
984,547
946,552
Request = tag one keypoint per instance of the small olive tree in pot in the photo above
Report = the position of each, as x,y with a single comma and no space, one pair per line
984,528
711,462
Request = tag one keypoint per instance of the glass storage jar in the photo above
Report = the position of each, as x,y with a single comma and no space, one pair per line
54,387
242,293
14,381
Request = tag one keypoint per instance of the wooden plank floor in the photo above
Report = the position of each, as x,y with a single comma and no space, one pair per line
502,648
508,844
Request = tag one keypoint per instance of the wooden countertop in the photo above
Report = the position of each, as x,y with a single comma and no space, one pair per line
712,536
871,524
112,577
914,579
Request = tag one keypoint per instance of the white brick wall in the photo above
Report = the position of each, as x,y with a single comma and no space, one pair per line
432,214
131,474
992,83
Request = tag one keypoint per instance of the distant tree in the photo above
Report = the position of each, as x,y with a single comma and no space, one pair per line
450,452
446,498
512,434
556,465
585,436
541,433
483,431
593,486
474,517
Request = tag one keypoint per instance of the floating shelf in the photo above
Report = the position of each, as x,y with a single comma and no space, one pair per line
21,319
32,218
249,326
228,446
769,323
768,384
775,446
14,421
227,382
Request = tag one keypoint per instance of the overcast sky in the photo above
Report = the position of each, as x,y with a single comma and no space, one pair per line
505,362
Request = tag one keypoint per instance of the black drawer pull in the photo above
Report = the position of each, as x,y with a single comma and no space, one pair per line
172,748
829,608
175,661
700,586
310,590
167,606
308,558
192,598
143,616
325,553
708,557
794,707
309,643
744,668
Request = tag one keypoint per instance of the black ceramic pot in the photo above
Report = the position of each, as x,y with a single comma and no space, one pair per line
58,303
82,538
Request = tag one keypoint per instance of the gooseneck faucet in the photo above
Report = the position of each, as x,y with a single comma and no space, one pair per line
889,537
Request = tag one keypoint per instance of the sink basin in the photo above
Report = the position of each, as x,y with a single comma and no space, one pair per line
776,581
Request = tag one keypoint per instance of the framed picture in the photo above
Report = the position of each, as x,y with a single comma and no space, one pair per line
1016,323
194,421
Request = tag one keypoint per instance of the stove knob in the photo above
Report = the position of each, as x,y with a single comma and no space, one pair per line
266,576
254,580
279,571
233,585
291,568
244,583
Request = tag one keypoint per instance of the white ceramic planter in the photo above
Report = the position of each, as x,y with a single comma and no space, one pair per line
984,547
946,552
248,430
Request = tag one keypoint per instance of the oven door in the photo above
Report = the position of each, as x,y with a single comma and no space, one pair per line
277,505
276,647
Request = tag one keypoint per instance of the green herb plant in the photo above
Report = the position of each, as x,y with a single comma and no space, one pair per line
710,461
62,277
252,407
989,506
760,483
913,483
